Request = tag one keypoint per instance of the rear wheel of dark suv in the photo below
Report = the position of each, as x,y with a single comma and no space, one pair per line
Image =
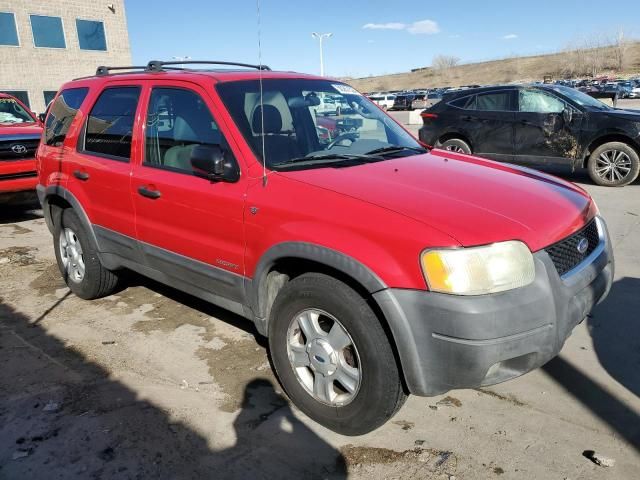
332,355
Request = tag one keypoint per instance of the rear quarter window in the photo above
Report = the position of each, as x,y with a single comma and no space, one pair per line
61,115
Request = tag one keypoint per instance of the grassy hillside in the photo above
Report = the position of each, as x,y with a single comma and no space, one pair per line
516,69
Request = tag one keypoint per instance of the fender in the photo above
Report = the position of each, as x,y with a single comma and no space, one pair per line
56,190
256,288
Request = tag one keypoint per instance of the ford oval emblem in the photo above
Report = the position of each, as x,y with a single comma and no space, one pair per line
18,149
582,246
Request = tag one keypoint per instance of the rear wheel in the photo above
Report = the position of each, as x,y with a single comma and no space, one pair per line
456,145
332,355
78,260
613,164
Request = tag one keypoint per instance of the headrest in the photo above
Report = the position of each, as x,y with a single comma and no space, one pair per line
272,119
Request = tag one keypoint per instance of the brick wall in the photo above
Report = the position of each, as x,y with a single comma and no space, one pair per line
45,69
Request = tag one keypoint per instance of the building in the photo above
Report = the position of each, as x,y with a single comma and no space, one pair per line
44,43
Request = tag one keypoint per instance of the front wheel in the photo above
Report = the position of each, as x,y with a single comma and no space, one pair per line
613,164
332,356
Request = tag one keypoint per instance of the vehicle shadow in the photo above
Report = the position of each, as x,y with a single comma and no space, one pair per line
615,331
616,338
63,416
19,213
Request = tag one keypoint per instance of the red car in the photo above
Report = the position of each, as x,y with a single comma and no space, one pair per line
20,133
375,267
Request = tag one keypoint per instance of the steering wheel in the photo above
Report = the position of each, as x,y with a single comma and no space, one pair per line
353,136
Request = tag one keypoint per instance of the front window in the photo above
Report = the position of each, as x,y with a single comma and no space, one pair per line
47,31
91,35
12,112
313,123
535,101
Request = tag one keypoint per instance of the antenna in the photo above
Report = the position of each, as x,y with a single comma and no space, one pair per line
264,152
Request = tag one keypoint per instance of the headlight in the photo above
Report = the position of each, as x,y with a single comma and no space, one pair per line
478,270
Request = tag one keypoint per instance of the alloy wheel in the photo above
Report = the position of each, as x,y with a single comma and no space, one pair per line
613,165
71,255
324,357
455,148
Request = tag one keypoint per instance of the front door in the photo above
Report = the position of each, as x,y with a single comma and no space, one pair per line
546,136
190,228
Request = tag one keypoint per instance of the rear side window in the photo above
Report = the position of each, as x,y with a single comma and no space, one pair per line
61,115
110,125
466,103
178,120
497,101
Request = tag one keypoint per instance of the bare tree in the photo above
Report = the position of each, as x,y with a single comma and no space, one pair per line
444,62
620,47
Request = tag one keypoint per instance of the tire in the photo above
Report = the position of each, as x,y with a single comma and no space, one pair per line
613,164
456,145
78,260
377,394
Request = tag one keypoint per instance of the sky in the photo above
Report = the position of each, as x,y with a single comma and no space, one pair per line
369,37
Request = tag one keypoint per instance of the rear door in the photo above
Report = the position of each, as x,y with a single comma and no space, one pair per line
544,135
190,228
487,120
99,171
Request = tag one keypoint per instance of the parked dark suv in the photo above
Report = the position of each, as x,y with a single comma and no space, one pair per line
540,126
370,271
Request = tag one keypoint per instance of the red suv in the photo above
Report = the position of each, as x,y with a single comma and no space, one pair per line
375,267
20,133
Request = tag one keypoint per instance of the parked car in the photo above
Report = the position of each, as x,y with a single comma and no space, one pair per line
626,88
426,101
20,133
403,101
540,126
384,101
370,271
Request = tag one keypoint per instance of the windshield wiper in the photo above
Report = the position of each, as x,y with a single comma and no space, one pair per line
326,158
394,149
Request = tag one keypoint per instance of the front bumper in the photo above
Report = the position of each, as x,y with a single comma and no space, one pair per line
449,341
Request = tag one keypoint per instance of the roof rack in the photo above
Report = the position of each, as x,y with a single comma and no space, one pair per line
157,65
103,70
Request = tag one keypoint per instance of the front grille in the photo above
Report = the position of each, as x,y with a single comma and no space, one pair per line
565,254
18,147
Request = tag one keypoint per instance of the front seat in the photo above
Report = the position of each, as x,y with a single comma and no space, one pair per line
179,156
279,146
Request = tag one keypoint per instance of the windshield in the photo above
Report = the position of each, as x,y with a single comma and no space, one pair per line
580,98
313,122
12,112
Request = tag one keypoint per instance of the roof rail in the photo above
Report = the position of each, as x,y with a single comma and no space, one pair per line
157,65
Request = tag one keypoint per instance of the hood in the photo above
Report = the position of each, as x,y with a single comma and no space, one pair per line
626,114
34,129
473,200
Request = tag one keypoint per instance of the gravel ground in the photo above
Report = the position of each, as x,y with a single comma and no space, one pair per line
152,383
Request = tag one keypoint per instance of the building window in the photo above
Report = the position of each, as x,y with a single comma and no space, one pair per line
21,95
47,31
49,95
8,30
91,35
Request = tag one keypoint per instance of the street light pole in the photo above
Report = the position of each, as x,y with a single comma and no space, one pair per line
181,59
320,37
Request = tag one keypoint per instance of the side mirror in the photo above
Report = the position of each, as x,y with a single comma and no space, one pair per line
214,163
42,117
567,115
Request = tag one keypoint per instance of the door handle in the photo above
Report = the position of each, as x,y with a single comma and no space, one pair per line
145,192
467,118
80,175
